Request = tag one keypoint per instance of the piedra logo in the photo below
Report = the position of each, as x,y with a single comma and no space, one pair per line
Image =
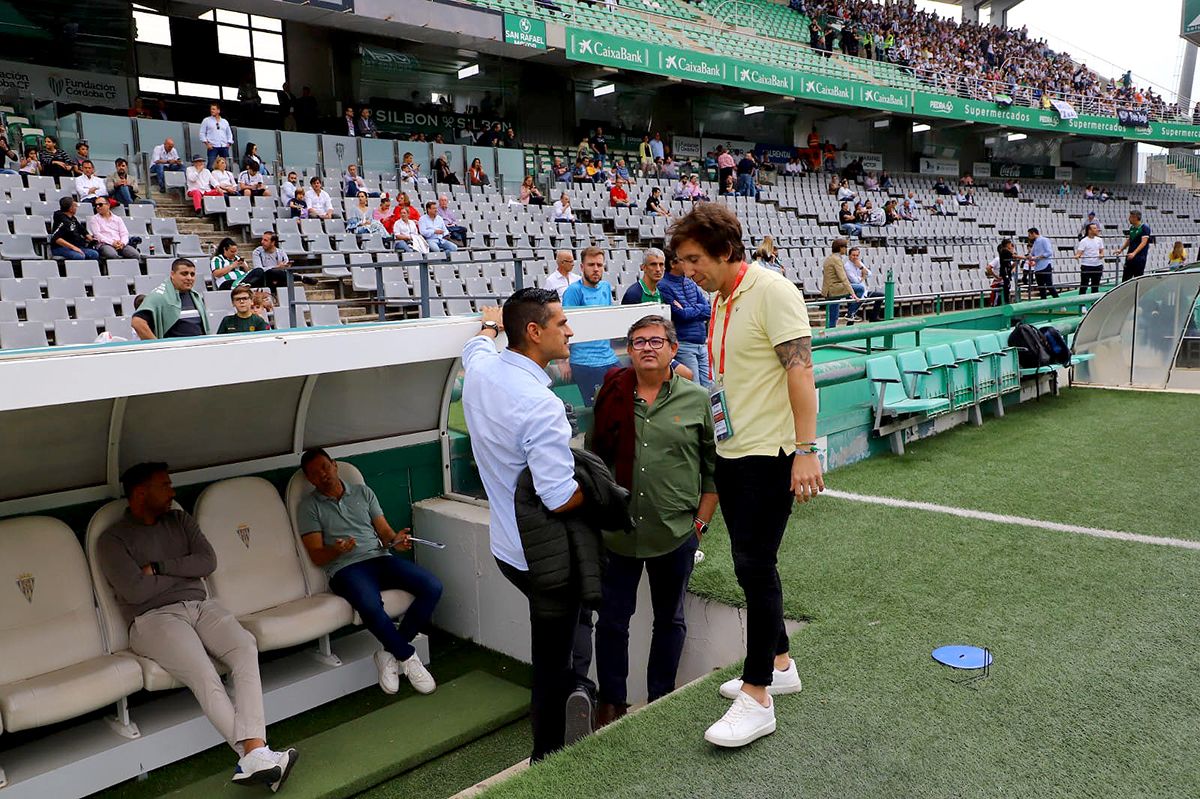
941,106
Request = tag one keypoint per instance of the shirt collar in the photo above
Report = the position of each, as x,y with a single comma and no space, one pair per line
668,384
647,291
526,363
322,496
748,281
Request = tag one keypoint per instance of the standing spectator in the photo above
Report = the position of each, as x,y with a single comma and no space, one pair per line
562,210
591,360
563,275
287,107
1041,260
858,272
672,499
174,309
599,145
216,135
458,231
243,319
109,233
766,447
366,124
1137,243
725,164
645,154
349,124
320,206
689,312
199,182
434,229
251,183
306,111
746,167
835,283
88,186
1000,269
69,238
646,288
165,158
657,149
1090,254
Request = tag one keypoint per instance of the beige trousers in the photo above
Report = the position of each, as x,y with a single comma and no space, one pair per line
180,637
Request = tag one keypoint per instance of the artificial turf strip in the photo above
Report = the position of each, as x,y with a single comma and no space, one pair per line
362,753
1117,460
1092,693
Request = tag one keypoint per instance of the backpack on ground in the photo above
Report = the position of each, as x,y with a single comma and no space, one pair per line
1056,345
1031,351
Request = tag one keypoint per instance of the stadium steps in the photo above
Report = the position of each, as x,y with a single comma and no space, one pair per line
355,756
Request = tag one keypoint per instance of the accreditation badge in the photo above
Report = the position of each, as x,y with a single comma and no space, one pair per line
722,426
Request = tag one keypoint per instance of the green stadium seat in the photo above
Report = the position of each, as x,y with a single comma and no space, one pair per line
924,383
1003,359
893,402
983,373
957,375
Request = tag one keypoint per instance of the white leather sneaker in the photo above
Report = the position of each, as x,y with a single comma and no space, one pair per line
744,722
418,675
782,682
286,760
258,768
389,671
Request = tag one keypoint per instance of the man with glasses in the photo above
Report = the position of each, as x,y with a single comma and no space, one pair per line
654,431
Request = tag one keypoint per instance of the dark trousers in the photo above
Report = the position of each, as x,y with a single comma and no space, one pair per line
756,501
560,649
1045,282
361,584
1132,270
1089,279
669,576
589,380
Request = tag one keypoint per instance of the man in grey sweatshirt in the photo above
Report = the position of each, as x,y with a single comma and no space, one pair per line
155,559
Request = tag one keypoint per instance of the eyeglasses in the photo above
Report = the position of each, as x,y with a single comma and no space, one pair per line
655,343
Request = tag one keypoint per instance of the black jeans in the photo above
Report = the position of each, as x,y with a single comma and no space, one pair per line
1089,278
669,576
1045,282
560,653
1133,270
756,501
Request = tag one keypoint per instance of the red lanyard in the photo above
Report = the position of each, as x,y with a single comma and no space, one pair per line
724,330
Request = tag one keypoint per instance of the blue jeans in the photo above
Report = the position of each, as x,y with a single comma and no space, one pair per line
850,229
833,310
669,576
438,243
361,584
694,355
218,152
9,172
70,255
159,172
589,380
124,195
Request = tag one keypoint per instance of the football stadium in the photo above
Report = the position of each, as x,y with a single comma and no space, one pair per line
598,398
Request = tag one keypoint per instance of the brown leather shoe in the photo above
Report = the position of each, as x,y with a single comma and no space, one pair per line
607,713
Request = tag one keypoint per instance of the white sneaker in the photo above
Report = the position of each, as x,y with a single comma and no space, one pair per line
258,768
782,682
389,672
744,722
286,760
418,675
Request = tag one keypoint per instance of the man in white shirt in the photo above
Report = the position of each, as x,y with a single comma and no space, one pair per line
250,182
565,275
88,186
517,422
434,229
164,159
288,189
320,206
216,135
1090,254
562,209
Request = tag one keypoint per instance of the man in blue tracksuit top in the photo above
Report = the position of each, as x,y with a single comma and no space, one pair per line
1041,258
690,310
591,360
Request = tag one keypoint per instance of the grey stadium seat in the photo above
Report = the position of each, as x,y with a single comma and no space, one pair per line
22,335
41,269
120,327
46,311
20,289
94,307
66,287
74,331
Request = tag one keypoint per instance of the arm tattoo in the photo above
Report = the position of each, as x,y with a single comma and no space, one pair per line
795,353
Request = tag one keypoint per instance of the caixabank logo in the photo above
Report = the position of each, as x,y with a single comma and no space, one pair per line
767,80
622,54
681,63
885,98
820,88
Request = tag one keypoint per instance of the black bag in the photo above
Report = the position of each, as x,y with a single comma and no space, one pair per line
1031,352
1056,345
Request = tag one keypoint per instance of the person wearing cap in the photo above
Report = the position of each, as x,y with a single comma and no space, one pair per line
108,231
199,183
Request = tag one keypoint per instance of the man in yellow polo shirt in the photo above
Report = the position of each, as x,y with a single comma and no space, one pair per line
764,404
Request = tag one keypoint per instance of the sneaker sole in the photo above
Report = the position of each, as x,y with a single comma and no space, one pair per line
293,758
750,738
579,718
383,687
772,690
264,777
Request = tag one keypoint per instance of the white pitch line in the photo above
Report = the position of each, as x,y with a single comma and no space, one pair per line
1001,518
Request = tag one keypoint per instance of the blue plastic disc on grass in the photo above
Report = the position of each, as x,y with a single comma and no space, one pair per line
958,656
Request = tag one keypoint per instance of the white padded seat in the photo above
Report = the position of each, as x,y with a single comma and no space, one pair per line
395,601
48,616
259,577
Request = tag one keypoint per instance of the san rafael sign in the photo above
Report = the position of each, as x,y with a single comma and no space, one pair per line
524,31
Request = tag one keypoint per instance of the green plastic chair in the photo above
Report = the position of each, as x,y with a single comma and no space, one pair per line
889,394
1004,360
957,375
923,382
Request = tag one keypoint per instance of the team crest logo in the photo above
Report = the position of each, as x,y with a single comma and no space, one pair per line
243,531
525,26
25,583
57,84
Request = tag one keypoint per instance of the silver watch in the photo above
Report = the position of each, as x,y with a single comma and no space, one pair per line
492,326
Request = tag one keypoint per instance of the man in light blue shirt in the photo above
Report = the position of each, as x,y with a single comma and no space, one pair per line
1041,259
216,135
517,422
591,360
435,230
656,146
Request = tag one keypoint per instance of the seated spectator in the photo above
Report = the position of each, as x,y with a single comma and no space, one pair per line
655,206
199,182
405,207
89,187
476,176
458,231
250,156
31,162
7,153
870,182
411,170
435,231
406,233
273,261
355,184
938,208
1012,188
365,125
164,158
681,189
669,170
835,184
562,211
296,204
727,189
530,194
156,558
174,309
361,221
320,206
847,221
69,238
1103,195
251,183
287,190
55,162
1064,189
560,171
885,181
941,187
262,306
122,186
442,173
890,212
767,256
967,180
229,270
580,173
243,319
344,531
965,197
862,214
859,273
846,194
1089,193
109,234
617,196
621,171
222,179
907,210
383,213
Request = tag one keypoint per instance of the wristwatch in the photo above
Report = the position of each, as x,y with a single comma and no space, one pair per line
701,527
492,326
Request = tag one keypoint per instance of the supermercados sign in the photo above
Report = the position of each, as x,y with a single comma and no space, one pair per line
63,85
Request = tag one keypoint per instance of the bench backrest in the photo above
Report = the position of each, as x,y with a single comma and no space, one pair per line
883,367
298,488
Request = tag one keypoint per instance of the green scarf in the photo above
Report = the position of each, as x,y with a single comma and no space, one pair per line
165,305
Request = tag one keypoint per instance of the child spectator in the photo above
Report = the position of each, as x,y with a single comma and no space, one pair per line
243,319
296,204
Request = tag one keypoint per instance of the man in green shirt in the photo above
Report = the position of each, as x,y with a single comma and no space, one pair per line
243,320
654,264
654,430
